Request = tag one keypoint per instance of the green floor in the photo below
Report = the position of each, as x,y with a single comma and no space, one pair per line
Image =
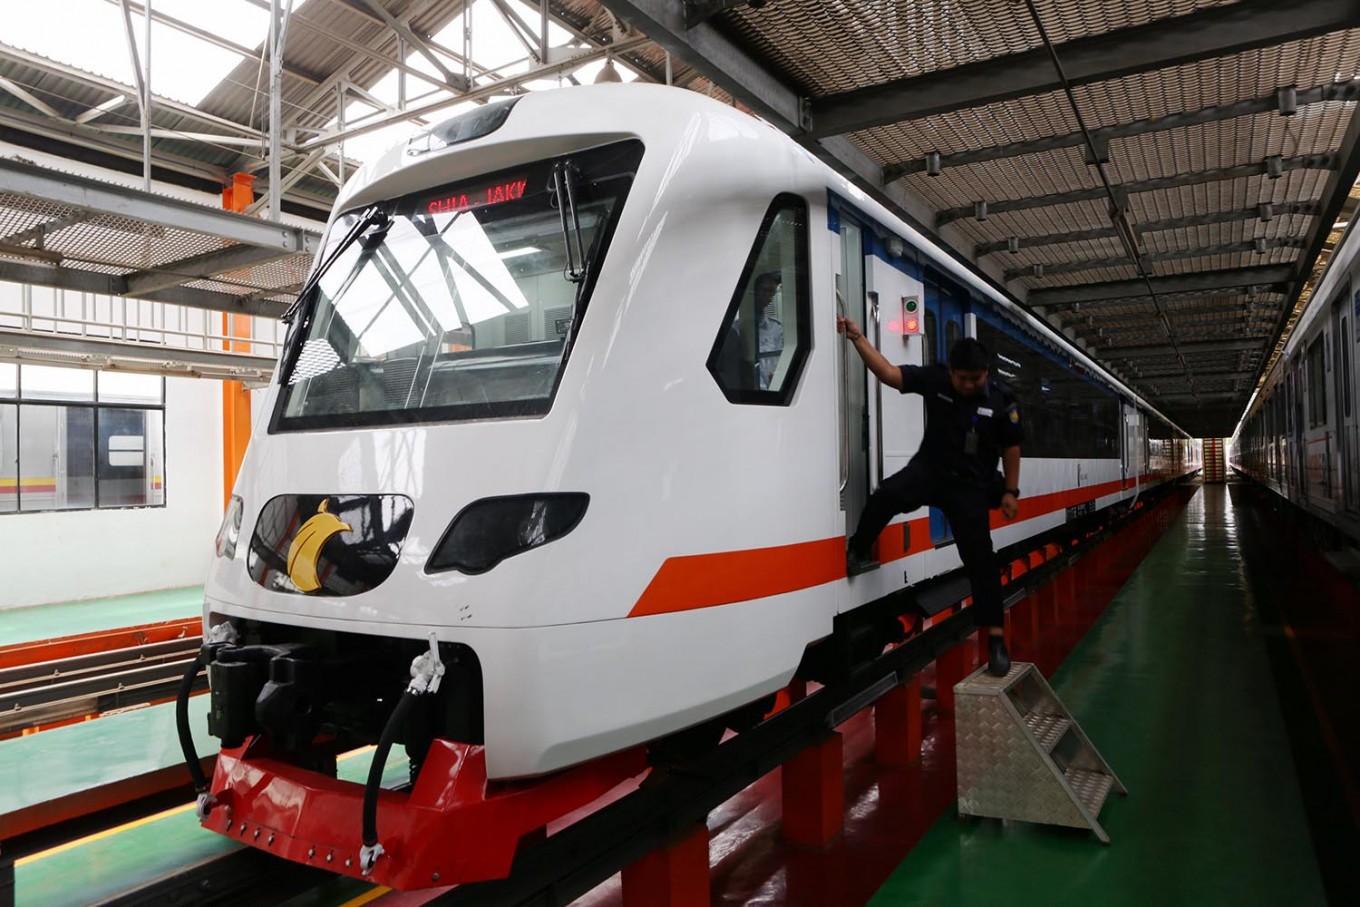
56,763
97,868
19,625
1174,686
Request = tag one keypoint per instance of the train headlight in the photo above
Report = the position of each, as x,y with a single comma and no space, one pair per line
488,531
230,532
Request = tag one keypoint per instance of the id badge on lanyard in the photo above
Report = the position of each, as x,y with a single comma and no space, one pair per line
970,440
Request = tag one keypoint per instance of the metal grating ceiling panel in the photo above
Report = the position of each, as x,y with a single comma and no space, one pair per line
1021,119
1048,173
1226,195
1245,140
830,47
1222,80
1083,215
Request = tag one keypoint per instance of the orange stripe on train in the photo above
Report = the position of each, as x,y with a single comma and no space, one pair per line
695,581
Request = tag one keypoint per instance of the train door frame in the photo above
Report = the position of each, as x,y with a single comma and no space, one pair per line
948,304
858,406
1343,380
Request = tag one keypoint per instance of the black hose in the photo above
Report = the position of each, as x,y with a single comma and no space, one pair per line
375,770
186,737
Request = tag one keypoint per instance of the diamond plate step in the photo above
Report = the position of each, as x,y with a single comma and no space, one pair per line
1047,729
1090,787
1021,754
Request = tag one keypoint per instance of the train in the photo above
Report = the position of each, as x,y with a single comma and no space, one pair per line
560,460
1300,434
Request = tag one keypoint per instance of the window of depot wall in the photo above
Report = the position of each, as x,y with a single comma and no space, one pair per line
72,439
765,335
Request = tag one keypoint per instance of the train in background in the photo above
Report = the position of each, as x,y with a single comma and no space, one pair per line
1300,435
560,461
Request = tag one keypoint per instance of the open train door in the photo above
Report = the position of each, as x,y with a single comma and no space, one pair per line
857,410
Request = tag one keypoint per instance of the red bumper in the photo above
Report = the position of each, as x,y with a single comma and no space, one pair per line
452,827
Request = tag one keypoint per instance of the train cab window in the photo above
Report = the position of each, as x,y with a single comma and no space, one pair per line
766,332
456,302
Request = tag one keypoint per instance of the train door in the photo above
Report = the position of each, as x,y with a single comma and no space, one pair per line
945,310
1133,445
1343,378
852,300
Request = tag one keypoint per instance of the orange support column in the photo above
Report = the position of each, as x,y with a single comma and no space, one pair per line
951,667
897,725
235,398
675,875
813,790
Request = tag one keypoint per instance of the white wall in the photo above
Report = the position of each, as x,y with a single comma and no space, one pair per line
52,557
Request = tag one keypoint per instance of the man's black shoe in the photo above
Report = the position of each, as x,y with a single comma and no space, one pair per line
857,563
998,659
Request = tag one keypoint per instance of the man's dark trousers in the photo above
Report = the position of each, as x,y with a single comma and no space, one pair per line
965,502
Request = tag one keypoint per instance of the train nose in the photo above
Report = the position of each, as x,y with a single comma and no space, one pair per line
340,544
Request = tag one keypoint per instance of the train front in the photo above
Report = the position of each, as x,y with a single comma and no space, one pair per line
411,447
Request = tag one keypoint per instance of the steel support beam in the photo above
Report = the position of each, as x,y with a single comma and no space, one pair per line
1219,370
1342,91
199,267
42,63
1189,349
1334,196
1091,264
216,40
1213,32
718,59
1274,290
1239,171
1212,281
110,285
104,198
1226,396
1308,209
423,110
419,42
13,343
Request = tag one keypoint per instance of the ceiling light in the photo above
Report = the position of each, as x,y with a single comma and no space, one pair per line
609,73
516,253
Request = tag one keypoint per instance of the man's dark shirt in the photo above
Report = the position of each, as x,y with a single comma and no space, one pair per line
949,417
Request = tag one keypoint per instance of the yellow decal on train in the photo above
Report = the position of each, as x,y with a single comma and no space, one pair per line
305,550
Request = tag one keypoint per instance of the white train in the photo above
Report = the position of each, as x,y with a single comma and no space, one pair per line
568,400
1301,433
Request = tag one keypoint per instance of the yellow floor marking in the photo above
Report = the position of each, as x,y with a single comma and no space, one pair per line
106,833
146,820
371,895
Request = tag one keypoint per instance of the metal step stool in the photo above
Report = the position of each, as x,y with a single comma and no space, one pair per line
1021,755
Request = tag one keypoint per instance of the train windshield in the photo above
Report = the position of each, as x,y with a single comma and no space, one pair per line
454,303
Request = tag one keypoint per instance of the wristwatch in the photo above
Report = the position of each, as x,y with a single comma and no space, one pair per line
1013,491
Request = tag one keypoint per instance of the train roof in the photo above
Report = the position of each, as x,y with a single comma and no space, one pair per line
654,113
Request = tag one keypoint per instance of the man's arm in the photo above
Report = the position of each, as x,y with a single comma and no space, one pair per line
883,370
1010,468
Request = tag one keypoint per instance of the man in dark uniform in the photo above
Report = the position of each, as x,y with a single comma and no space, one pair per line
971,421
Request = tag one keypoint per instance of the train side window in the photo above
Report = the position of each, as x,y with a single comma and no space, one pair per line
1317,384
765,336
928,350
1343,343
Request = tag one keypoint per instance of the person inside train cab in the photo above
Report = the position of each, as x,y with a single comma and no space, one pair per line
769,328
972,420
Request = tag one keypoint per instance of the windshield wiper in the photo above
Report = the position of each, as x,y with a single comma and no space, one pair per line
564,189
372,217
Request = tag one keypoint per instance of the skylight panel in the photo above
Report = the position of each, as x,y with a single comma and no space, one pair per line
235,20
183,68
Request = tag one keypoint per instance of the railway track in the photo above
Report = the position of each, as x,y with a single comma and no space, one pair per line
78,686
